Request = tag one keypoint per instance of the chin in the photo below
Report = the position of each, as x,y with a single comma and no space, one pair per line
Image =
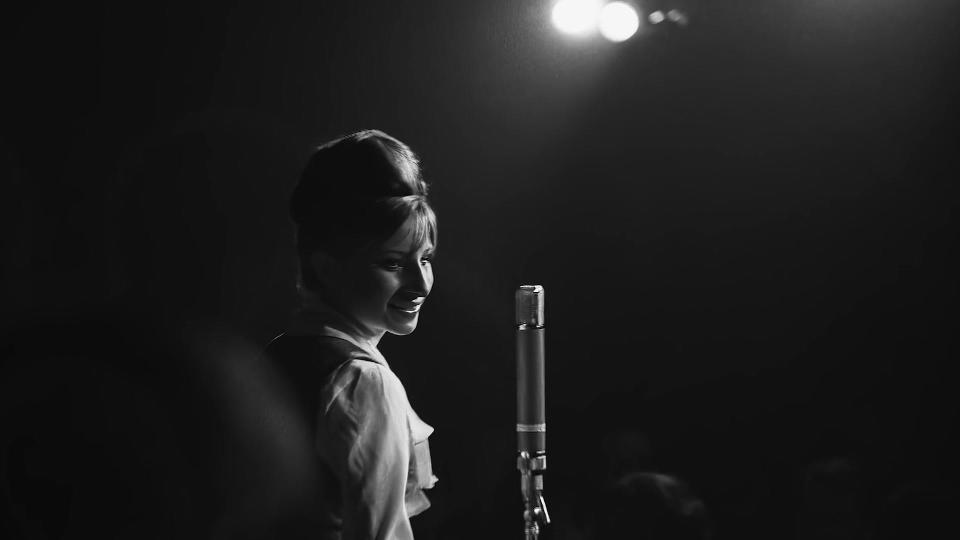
402,330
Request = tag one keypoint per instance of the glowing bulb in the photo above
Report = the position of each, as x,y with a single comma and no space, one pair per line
618,21
576,16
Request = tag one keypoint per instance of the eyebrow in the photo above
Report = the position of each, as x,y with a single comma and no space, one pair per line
430,249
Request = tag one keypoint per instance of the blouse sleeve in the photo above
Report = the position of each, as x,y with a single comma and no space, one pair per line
370,454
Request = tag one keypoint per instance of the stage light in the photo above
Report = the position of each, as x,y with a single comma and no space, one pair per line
677,17
576,17
618,21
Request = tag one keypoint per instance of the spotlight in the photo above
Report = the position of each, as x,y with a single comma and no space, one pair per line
576,17
618,21
678,17
675,16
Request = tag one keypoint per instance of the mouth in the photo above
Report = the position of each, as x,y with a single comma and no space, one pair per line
408,308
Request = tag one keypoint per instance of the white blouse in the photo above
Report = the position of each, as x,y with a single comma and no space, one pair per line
375,445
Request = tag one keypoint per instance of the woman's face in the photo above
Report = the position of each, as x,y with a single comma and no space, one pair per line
382,288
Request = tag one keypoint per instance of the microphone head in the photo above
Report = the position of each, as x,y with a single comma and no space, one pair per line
529,303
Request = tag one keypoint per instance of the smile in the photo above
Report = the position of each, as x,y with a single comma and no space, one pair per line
410,309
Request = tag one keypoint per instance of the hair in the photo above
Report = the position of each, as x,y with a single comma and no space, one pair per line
356,191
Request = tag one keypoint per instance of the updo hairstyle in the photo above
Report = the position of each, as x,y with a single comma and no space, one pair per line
355,192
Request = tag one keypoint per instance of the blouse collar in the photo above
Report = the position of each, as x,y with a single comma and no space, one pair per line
318,318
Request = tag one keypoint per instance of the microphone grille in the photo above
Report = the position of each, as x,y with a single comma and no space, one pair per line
529,305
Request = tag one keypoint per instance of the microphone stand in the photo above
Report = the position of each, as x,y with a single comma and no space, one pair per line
531,409
535,512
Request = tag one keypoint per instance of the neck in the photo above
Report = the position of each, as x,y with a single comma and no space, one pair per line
317,310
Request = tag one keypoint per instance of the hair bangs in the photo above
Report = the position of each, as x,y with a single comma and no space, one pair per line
417,208
424,225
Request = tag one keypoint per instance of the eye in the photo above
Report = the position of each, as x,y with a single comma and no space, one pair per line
392,264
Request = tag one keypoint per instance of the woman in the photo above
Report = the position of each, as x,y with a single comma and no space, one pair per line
365,238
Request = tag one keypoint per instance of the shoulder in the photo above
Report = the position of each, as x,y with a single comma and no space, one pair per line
311,356
360,380
349,378
287,346
364,406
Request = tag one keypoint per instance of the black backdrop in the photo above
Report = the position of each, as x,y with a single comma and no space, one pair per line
745,227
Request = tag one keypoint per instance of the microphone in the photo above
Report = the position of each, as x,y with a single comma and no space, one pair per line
531,414
531,410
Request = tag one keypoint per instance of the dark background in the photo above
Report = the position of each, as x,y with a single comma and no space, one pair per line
746,228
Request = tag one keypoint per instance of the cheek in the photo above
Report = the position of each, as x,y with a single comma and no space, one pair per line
429,279
365,288
380,287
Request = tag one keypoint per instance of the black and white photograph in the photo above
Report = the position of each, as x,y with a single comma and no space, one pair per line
327,269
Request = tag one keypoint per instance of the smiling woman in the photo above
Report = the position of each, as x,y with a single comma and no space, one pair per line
365,238
381,287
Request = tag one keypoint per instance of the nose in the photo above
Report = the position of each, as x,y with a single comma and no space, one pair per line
419,279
